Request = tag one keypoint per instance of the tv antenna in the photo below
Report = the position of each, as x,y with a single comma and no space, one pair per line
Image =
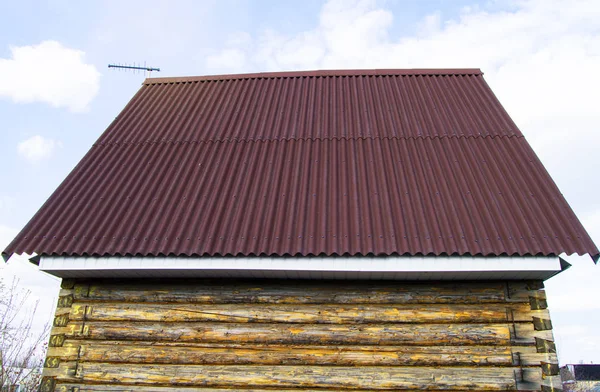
135,68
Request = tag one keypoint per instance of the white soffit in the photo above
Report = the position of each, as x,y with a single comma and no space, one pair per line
390,267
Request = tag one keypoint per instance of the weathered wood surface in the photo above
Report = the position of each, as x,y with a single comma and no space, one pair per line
529,356
369,377
306,292
258,333
68,387
178,353
525,333
118,351
65,370
316,314
211,336
533,379
523,290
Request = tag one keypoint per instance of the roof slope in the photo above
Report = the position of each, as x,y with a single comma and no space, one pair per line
309,163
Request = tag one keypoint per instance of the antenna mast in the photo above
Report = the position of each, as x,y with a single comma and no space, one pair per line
135,68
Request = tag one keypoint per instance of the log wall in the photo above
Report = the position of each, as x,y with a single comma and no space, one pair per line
261,335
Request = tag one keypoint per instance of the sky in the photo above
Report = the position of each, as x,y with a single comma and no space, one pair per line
540,57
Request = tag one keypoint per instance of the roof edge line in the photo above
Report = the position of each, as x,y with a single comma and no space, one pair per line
319,73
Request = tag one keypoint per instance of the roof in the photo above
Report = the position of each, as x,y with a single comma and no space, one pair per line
364,162
582,372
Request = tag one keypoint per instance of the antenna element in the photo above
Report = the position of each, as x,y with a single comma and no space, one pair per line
135,68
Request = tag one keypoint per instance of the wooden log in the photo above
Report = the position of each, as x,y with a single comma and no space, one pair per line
339,377
533,379
521,291
70,387
297,355
360,334
550,369
542,323
525,333
297,292
67,284
529,356
47,384
68,351
285,313
64,371
545,345
538,303
65,298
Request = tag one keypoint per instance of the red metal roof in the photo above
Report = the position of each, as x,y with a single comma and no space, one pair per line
308,163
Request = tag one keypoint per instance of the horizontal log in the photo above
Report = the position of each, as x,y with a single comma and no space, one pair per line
373,377
287,313
297,355
296,292
355,334
68,387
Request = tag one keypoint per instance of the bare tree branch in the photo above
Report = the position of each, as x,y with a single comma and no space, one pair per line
22,346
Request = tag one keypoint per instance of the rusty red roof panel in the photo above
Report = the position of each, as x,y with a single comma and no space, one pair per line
317,107
319,163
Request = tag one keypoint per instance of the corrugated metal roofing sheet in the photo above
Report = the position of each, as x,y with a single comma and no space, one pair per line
322,162
319,107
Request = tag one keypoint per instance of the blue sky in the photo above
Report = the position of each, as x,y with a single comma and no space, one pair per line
540,58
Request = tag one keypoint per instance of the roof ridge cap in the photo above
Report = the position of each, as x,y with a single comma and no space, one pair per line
320,73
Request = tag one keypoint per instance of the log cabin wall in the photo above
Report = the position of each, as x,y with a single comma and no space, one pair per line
265,335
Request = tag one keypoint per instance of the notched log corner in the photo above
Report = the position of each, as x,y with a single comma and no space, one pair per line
534,379
67,283
521,291
52,362
56,340
545,346
550,388
542,324
48,384
65,301
550,369
61,321
538,303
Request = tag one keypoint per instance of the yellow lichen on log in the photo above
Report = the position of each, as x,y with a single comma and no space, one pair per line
296,355
306,314
371,377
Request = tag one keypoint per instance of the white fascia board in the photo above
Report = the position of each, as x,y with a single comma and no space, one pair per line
390,267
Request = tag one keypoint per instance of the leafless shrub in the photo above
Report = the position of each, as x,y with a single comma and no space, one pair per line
22,347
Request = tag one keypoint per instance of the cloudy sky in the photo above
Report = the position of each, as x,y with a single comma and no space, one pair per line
540,57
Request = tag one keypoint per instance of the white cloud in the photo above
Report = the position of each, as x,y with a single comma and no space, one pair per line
50,73
232,59
37,148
